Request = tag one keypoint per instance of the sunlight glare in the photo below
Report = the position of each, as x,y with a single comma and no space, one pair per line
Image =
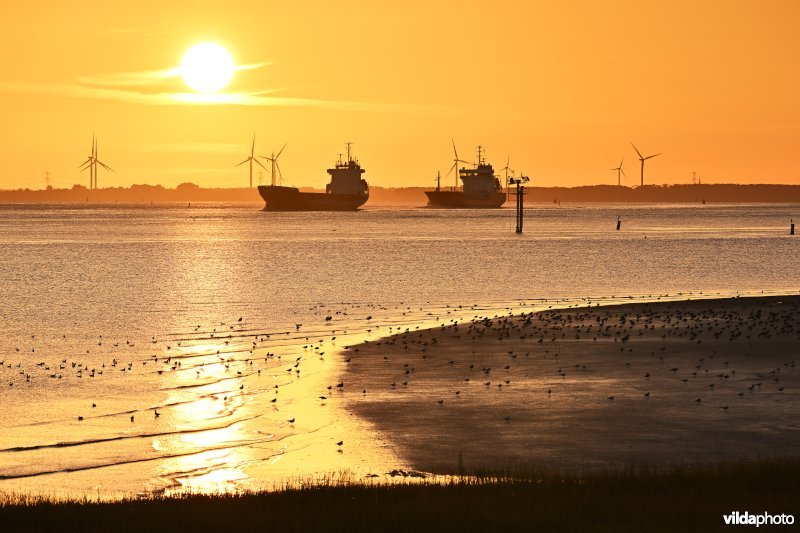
207,67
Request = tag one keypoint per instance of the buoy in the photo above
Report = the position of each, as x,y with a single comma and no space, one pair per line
619,223
791,226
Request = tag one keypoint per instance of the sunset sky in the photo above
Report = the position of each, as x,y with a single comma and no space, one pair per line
562,88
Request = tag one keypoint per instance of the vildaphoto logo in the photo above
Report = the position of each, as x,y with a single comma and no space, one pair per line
764,519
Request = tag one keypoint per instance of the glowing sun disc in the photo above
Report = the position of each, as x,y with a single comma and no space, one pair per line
207,67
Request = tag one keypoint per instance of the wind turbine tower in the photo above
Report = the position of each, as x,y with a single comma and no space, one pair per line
619,171
507,169
98,162
91,163
274,160
642,159
252,158
456,161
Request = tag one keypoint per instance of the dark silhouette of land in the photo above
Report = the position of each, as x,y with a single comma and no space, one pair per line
685,498
415,196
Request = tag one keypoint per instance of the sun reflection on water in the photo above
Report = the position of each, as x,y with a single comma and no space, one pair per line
207,391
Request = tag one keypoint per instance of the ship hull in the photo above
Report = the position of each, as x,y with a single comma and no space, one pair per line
458,199
278,198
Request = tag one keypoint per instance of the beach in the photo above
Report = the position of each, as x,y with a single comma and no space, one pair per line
581,389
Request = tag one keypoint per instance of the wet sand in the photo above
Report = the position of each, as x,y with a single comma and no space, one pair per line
581,389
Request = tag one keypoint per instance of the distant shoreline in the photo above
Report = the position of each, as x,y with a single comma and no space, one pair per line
415,196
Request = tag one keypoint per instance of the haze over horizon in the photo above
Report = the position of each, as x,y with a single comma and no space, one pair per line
561,89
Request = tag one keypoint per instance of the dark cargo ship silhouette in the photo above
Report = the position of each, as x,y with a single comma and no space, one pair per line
347,191
481,187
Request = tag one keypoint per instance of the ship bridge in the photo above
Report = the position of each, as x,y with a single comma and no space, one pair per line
346,176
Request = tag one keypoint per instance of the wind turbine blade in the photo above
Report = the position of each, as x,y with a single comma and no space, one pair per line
105,166
253,146
637,151
242,163
259,163
451,170
649,156
279,153
620,162
623,172
454,147
280,175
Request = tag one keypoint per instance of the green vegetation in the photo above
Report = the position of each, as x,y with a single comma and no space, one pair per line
686,498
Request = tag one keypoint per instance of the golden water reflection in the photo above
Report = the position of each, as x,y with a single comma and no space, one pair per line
206,403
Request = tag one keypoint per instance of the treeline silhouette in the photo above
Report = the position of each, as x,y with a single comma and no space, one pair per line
415,196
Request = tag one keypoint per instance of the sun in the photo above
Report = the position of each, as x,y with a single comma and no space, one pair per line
207,67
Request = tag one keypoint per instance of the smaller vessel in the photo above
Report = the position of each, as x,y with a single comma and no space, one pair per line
481,188
347,191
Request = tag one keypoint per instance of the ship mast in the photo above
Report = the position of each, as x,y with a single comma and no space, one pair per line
349,144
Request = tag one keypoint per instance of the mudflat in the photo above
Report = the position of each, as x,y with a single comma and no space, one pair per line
582,389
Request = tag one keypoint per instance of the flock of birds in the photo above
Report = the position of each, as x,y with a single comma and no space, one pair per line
467,355
678,355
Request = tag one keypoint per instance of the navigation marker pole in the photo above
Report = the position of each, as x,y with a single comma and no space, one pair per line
520,198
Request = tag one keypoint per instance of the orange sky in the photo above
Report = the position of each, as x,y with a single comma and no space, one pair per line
560,87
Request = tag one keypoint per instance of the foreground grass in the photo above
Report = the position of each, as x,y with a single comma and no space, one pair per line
689,498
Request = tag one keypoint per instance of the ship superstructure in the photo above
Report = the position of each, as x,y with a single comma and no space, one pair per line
481,188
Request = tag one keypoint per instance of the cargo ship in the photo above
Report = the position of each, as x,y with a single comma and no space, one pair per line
347,191
481,187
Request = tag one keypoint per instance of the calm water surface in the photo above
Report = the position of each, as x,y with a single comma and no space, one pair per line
206,314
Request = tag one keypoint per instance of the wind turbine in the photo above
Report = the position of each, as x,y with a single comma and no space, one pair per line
98,162
620,171
456,161
251,159
91,163
274,161
643,159
507,169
